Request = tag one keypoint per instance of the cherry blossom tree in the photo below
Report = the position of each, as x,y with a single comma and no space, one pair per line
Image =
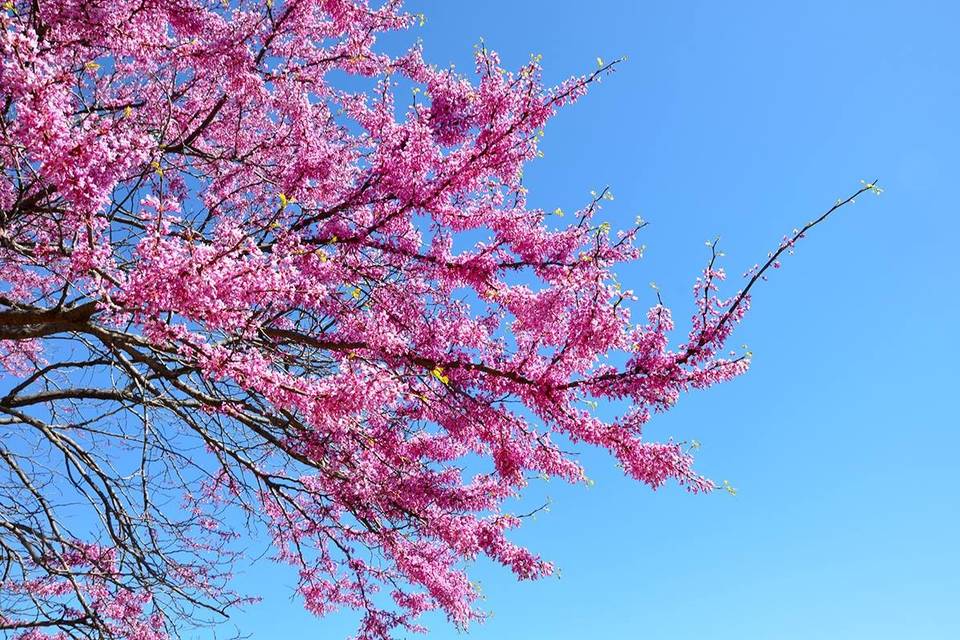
231,302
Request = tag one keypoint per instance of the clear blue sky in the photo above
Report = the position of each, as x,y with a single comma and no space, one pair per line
743,120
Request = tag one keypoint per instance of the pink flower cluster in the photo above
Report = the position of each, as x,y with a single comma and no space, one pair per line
198,171
89,583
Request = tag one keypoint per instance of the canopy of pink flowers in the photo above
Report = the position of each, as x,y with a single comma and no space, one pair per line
254,189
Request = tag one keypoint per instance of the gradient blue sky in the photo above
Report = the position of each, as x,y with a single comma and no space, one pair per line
743,120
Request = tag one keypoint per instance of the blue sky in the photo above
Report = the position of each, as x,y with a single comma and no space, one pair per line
744,120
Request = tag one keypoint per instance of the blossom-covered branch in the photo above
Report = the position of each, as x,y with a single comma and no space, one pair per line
231,298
